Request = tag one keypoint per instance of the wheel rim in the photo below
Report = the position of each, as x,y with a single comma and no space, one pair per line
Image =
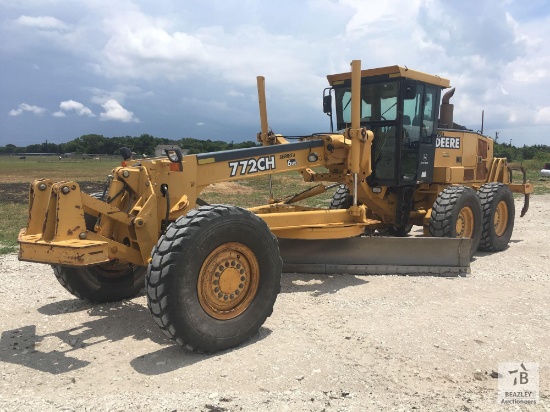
500,220
465,223
228,281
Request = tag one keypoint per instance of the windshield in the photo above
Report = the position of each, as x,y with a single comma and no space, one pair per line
378,103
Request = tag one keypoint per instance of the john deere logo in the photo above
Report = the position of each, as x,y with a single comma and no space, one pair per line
447,142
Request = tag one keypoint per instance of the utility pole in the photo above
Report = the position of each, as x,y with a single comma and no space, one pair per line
496,137
510,142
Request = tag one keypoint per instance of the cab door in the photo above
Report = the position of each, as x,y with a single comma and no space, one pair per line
420,113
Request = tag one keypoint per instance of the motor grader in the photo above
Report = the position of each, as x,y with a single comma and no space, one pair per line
212,272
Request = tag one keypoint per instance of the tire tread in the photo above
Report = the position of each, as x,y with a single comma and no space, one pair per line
166,254
487,195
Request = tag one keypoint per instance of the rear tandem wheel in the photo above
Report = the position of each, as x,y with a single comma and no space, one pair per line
214,278
497,205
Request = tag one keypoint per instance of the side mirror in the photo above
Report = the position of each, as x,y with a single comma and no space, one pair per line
126,153
174,154
327,104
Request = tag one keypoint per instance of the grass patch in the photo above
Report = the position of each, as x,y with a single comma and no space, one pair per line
532,172
13,217
255,191
15,170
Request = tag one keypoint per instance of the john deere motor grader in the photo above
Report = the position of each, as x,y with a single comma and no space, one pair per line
212,272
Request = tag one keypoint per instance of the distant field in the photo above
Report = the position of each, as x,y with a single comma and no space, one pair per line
17,173
16,170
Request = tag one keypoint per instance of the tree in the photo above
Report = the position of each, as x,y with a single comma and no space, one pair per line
11,148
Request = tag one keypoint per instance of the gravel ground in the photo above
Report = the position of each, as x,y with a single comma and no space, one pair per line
333,343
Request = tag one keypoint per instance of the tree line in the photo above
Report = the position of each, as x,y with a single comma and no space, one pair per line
538,152
144,144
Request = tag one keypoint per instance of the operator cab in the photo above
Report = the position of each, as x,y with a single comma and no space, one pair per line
401,107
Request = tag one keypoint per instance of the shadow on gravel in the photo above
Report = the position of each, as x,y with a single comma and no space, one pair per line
19,346
65,306
318,284
22,346
175,357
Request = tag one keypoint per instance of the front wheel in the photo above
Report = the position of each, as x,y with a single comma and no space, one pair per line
214,278
342,198
497,204
106,282
457,213
397,231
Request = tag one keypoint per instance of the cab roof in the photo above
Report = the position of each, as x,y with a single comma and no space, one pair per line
391,72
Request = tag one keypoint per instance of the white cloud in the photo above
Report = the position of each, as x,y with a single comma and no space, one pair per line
200,124
543,116
101,96
41,22
77,107
24,107
375,17
234,93
114,111
59,114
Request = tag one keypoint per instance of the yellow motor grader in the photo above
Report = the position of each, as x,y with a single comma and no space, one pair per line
212,272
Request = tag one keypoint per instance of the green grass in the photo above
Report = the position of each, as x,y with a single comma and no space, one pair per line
255,191
532,171
13,218
15,170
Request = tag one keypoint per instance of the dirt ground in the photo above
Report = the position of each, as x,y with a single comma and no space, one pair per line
333,343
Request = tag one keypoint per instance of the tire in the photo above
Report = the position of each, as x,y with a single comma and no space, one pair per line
497,206
90,220
457,213
212,246
107,282
397,231
342,199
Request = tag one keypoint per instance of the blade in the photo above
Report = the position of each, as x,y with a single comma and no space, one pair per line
377,256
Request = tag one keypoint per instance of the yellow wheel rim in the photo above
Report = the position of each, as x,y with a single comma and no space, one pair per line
500,220
228,281
465,223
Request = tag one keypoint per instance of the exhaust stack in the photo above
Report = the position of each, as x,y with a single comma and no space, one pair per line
446,110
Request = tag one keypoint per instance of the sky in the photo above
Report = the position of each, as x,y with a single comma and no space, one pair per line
187,68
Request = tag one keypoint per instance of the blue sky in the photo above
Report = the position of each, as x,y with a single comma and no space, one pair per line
188,68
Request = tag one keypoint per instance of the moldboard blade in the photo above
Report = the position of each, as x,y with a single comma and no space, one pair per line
377,256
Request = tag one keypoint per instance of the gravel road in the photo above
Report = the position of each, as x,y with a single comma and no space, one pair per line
333,343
